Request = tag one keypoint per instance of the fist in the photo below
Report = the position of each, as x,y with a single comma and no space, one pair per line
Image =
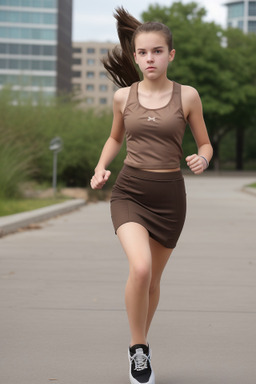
99,179
196,164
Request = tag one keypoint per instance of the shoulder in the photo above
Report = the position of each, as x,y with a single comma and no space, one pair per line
189,93
121,94
190,99
121,97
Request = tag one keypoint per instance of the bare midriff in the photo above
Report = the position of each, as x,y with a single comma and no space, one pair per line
162,170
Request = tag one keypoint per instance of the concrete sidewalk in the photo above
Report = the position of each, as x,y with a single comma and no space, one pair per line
13,223
63,317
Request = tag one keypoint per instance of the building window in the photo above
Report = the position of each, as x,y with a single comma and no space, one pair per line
24,80
76,74
27,49
103,101
89,100
76,87
90,62
3,63
3,48
236,10
103,75
27,17
103,88
89,87
14,49
90,50
28,33
103,51
252,26
36,50
76,61
77,50
241,24
49,50
90,75
24,49
252,8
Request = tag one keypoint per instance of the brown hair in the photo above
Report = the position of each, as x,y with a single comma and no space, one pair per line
120,61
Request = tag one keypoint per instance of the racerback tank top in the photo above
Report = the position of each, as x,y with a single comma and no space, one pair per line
154,136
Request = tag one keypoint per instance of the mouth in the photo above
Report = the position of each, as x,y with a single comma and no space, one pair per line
150,68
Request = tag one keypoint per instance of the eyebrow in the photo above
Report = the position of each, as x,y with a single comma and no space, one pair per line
143,49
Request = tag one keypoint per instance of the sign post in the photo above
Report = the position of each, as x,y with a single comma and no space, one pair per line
56,147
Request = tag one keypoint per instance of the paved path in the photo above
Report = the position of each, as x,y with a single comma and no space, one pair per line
63,318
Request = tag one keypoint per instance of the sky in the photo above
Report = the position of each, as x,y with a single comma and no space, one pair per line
95,22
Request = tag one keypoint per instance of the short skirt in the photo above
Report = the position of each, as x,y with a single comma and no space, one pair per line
156,200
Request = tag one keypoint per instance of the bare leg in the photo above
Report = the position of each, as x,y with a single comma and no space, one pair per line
135,242
160,256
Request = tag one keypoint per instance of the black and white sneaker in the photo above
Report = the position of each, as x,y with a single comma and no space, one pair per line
140,367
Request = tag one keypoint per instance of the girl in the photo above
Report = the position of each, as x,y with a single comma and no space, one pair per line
148,202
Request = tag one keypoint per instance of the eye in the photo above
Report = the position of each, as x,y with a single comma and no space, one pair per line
142,53
157,51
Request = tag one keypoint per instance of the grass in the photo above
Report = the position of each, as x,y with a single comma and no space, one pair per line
252,185
12,206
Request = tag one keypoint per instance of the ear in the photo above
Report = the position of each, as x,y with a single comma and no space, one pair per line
172,55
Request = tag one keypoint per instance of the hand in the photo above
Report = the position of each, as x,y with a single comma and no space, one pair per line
196,163
99,179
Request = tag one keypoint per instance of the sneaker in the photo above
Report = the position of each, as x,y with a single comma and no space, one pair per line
140,367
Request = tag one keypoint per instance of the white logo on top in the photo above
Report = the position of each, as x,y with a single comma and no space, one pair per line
151,118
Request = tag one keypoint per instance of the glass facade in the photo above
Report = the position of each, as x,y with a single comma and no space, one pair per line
242,15
236,10
252,26
30,3
21,33
28,17
252,8
35,45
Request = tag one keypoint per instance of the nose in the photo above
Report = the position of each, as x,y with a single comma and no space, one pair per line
149,57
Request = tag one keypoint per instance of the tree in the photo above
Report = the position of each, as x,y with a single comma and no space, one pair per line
203,61
242,63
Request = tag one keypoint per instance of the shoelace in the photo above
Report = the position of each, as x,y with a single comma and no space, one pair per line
140,360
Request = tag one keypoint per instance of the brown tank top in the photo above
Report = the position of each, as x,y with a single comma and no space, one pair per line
154,136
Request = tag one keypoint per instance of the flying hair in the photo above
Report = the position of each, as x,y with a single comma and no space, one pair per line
119,62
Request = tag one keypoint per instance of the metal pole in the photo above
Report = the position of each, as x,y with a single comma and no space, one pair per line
54,177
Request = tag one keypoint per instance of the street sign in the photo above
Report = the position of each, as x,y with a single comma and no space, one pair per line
56,144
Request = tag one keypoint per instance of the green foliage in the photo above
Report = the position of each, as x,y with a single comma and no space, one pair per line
13,206
25,135
223,74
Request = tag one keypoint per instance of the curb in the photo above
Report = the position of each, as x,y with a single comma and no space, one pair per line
251,191
12,223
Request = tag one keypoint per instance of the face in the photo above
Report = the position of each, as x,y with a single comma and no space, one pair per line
152,54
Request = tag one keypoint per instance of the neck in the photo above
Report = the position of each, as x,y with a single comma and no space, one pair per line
161,84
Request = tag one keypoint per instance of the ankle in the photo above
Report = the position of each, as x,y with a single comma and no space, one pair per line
138,342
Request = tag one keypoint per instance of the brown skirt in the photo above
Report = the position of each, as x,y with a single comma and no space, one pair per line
155,200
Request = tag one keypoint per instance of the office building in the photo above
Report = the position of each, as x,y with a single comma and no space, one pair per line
36,46
90,81
242,15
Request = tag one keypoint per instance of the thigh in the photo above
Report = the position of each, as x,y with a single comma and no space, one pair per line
160,256
134,239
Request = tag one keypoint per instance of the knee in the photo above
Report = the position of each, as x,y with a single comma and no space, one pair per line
141,274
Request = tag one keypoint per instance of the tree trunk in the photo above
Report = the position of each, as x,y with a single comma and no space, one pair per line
239,148
216,159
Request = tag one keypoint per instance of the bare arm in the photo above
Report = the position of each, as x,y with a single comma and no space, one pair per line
112,145
193,110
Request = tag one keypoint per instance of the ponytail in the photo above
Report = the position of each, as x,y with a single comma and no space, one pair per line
120,61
